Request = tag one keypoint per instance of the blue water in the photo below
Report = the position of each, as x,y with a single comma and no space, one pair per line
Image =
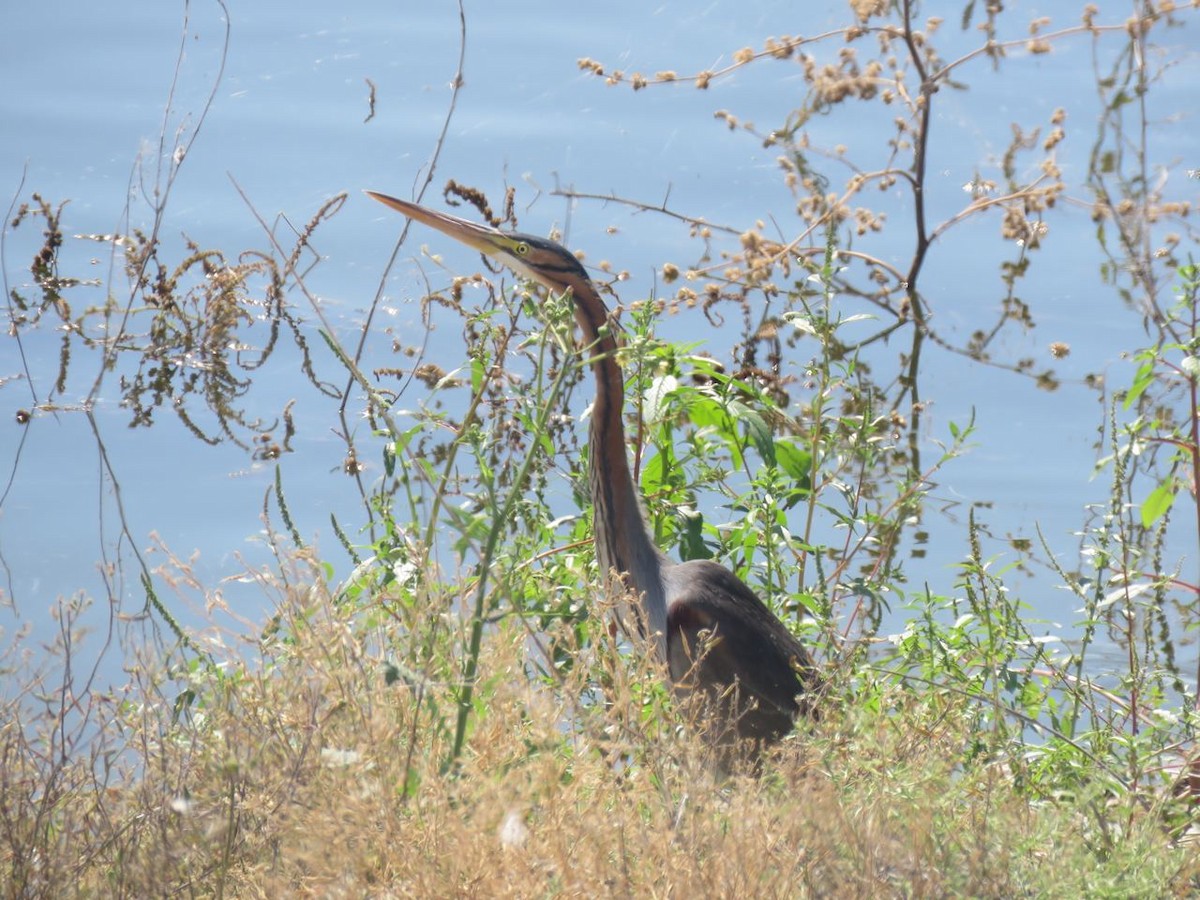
86,86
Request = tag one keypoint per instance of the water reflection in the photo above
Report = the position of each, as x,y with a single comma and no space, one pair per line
973,257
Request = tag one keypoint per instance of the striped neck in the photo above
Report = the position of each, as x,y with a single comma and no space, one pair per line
623,543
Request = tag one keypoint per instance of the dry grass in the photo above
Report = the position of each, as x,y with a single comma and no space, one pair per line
303,772
314,759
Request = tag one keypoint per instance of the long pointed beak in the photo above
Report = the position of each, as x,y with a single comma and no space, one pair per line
481,237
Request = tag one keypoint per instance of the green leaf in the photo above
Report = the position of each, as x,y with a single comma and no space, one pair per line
705,412
691,536
478,370
795,463
1156,505
656,396
654,474
757,430
1142,380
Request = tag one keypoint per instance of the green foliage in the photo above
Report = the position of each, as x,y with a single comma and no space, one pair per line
460,684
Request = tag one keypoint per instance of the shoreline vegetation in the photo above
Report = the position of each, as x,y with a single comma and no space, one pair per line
454,716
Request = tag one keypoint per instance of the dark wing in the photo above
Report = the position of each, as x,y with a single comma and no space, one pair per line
720,636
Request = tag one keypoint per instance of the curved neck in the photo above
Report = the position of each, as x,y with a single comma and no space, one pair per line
623,543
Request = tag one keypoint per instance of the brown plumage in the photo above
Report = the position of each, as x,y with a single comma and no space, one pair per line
714,634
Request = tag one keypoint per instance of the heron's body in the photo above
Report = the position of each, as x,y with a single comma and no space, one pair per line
713,633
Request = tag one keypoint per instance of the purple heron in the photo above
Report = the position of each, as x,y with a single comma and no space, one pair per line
714,634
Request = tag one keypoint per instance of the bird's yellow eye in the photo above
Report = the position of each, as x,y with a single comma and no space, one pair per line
522,249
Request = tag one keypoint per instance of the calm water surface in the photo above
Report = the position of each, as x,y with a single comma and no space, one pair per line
86,86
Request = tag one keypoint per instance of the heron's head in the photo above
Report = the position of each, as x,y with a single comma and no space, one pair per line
537,259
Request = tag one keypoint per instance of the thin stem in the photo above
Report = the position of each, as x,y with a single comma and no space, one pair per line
499,525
